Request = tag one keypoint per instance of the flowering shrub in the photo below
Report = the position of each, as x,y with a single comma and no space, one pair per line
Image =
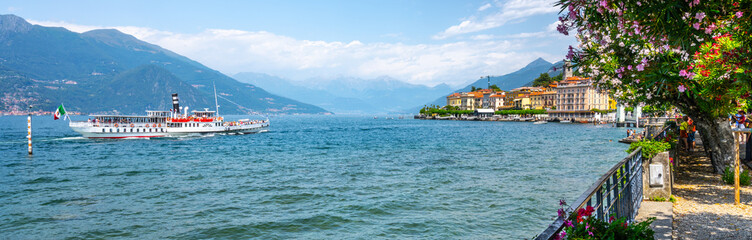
583,225
693,54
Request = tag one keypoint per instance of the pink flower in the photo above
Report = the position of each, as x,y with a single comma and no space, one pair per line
570,54
696,26
682,88
604,3
639,3
640,67
637,80
739,14
700,16
562,29
568,223
629,67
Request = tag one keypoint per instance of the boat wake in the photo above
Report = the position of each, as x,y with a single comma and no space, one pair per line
66,139
131,138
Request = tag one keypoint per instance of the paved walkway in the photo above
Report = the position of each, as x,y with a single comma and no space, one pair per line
705,204
663,213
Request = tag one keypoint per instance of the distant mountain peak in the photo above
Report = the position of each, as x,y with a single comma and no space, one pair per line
538,62
13,23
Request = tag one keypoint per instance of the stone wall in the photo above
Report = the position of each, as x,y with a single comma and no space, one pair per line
660,162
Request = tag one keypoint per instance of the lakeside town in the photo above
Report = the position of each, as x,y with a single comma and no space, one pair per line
574,98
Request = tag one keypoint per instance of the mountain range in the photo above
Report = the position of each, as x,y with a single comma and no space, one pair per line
345,95
105,71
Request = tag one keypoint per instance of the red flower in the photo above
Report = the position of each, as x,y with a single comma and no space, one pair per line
589,211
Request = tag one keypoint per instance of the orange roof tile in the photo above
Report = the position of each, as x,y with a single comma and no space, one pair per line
454,95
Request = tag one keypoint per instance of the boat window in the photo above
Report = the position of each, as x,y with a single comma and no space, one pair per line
102,129
110,129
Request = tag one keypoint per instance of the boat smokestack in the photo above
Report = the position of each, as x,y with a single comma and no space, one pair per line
175,103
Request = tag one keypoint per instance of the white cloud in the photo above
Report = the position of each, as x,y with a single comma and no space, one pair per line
549,32
484,7
512,11
231,51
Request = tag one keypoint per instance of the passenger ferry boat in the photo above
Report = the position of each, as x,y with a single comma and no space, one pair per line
165,124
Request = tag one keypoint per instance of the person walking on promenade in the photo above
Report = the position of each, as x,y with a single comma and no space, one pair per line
749,143
691,129
683,133
738,121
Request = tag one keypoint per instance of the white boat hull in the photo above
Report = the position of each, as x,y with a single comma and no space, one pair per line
90,130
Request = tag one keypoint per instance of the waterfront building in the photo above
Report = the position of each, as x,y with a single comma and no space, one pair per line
480,99
577,96
523,97
454,100
522,101
470,100
497,100
545,99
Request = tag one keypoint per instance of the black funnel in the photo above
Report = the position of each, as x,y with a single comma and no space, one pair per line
175,103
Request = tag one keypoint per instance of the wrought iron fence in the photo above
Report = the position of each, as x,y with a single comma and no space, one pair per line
617,193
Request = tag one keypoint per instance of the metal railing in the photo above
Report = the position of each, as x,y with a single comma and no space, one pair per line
660,135
617,193
119,125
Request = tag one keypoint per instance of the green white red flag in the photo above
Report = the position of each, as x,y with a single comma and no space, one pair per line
60,111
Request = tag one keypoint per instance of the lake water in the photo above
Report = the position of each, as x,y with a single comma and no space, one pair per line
309,177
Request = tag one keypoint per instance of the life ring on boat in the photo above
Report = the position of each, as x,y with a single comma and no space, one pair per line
116,125
147,125
159,125
154,125
132,125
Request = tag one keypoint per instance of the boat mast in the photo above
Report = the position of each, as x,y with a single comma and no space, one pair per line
216,104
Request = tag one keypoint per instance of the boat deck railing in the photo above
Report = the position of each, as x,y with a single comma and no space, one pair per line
116,125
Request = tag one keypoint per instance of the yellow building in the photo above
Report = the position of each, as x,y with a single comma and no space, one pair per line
522,101
454,100
470,100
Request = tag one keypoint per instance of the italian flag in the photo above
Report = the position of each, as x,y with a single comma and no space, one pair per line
60,111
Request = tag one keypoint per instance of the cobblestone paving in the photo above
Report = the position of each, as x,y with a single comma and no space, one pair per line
705,204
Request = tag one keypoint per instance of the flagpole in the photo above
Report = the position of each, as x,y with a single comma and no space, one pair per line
66,113
29,126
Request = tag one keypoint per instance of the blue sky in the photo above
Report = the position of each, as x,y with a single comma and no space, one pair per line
421,42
